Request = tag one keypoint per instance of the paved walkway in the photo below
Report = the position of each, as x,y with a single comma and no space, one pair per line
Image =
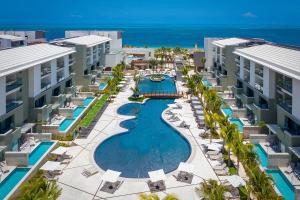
76,186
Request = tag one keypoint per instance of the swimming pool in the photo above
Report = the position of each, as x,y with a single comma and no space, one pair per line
78,110
102,86
238,123
282,183
148,86
262,155
39,151
227,112
64,125
11,181
87,101
206,83
149,144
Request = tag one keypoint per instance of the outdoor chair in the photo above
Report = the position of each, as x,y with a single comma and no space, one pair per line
157,186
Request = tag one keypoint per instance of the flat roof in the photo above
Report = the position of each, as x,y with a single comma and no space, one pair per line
88,40
229,42
21,58
11,37
281,59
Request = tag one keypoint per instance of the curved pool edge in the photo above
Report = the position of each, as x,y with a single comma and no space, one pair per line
163,116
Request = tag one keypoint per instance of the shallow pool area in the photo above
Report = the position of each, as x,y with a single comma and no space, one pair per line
102,86
206,83
11,181
227,112
39,151
87,101
262,155
282,184
238,123
165,86
77,111
64,125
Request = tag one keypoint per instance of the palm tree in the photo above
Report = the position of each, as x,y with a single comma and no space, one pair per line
191,85
229,133
136,91
156,197
185,71
239,149
203,61
152,63
211,190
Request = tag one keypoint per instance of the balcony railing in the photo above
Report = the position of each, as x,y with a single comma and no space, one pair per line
286,106
286,86
60,66
262,106
45,85
259,87
13,85
45,71
13,104
259,73
247,67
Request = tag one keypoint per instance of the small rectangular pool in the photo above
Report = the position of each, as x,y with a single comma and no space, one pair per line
239,124
11,181
227,112
262,155
282,183
87,101
39,151
77,111
102,86
64,125
206,83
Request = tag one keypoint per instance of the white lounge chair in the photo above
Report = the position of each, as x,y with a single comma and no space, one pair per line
89,171
216,157
222,172
212,153
50,177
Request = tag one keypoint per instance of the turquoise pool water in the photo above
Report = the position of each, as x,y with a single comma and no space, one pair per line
87,101
206,83
262,155
64,125
102,86
11,181
239,124
39,151
282,183
148,86
228,112
77,111
150,143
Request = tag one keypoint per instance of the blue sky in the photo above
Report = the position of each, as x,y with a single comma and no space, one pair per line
112,12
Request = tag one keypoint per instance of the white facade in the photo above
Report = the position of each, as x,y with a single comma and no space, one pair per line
209,52
30,36
138,54
10,41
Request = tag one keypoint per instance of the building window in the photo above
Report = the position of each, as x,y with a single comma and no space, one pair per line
291,126
56,91
40,102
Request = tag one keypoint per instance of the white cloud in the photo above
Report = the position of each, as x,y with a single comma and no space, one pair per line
249,15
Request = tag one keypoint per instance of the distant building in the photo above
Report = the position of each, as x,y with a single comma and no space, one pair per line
31,37
135,54
11,41
209,52
115,55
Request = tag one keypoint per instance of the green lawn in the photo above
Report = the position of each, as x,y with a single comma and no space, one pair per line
90,116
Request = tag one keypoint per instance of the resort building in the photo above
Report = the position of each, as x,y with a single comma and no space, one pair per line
268,85
89,57
11,41
35,81
31,37
138,54
114,54
209,52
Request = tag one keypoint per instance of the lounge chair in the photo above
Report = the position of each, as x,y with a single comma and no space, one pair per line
216,157
184,125
220,167
3,167
50,177
289,169
212,153
222,172
156,186
66,161
87,172
111,187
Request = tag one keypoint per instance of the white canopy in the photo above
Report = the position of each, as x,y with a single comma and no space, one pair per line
236,181
158,175
186,167
50,166
111,176
59,151
214,146
122,82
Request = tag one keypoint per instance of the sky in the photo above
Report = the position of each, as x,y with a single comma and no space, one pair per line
134,12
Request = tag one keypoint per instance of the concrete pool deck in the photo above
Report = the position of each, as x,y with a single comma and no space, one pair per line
75,185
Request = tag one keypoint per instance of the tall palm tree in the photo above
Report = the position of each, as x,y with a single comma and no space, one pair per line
238,149
229,133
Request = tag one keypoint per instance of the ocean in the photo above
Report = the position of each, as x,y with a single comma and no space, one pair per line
182,36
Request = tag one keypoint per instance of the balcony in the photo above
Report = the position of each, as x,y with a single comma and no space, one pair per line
60,99
259,87
45,85
285,86
247,99
247,78
60,65
259,73
60,77
286,106
247,67
13,104
12,85
43,113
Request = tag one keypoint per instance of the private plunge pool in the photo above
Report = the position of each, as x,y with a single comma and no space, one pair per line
227,112
282,184
149,144
67,123
102,86
12,180
262,155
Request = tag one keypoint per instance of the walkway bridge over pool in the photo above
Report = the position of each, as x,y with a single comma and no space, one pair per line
163,95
